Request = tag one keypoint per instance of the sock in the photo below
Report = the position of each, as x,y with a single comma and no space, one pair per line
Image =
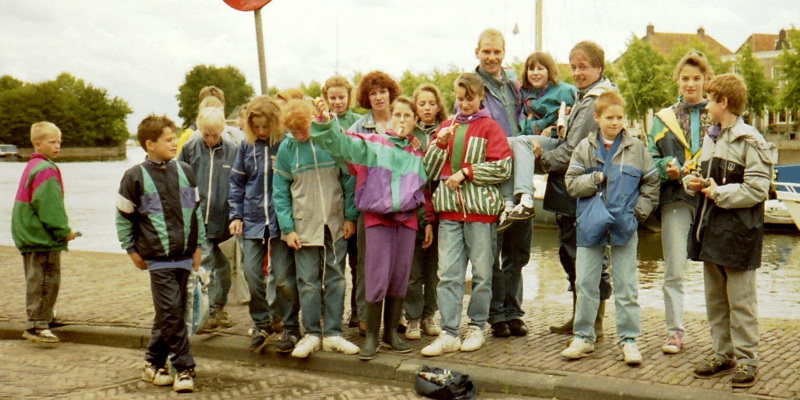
526,200
509,205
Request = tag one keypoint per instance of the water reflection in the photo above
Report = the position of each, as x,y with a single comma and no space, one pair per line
778,278
91,192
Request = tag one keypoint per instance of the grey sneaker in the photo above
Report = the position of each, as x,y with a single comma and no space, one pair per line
288,340
40,335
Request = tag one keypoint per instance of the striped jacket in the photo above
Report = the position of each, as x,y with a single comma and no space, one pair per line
158,211
39,220
487,158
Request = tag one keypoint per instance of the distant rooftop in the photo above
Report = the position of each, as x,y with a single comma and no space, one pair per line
665,42
761,42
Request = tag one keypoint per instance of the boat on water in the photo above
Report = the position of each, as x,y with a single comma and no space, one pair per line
8,151
787,191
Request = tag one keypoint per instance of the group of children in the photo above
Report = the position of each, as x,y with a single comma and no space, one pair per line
420,195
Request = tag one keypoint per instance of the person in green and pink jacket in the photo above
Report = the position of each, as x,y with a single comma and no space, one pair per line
389,191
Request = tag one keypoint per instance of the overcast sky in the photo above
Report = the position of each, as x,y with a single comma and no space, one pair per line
140,50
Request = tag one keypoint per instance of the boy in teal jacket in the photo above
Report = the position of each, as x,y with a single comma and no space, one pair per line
40,228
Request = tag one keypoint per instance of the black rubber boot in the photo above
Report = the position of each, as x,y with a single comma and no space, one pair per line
370,347
598,322
391,317
566,328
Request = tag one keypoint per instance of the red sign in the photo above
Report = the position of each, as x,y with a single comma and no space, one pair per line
247,5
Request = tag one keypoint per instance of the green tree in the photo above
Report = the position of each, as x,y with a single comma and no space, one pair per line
230,79
789,67
313,89
86,115
643,81
760,90
409,82
8,82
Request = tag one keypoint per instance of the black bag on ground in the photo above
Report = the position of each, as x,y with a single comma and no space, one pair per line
442,384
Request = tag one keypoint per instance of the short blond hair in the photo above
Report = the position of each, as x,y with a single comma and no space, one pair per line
210,119
606,100
40,130
211,101
491,33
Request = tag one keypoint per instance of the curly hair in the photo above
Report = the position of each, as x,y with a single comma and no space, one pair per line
431,88
380,79
152,127
730,87
267,107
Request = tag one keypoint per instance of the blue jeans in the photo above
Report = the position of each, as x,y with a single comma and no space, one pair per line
676,224
253,253
524,163
515,252
282,270
310,260
220,268
460,242
626,289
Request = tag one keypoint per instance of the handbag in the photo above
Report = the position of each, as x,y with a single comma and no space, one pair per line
594,220
442,384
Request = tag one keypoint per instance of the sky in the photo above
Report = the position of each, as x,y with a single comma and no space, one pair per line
141,50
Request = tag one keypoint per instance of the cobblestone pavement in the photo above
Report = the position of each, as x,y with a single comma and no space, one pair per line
76,371
105,289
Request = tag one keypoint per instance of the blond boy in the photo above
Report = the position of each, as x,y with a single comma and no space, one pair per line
40,228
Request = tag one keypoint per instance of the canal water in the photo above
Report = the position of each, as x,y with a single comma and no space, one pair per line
91,192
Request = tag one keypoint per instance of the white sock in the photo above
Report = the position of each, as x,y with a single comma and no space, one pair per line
509,205
526,200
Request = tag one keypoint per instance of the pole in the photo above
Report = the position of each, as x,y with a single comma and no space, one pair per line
539,25
262,60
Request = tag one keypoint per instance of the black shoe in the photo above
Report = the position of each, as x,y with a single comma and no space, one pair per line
500,329
521,213
517,327
503,222
745,376
353,322
714,368
259,339
288,341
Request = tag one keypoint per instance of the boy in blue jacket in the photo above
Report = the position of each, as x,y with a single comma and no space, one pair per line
611,174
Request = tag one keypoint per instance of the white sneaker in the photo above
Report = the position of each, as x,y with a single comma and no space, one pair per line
158,376
579,348
307,345
184,382
430,327
337,343
630,353
413,331
443,344
473,340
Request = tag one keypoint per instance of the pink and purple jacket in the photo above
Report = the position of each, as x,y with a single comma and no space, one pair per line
390,175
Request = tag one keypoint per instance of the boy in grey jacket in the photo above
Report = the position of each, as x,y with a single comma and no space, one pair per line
735,172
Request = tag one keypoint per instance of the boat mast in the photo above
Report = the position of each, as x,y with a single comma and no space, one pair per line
539,25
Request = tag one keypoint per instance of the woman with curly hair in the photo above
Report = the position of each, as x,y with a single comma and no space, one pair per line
376,92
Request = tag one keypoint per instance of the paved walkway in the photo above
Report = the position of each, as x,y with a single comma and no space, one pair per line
102,289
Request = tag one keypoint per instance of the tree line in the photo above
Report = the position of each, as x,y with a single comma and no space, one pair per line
645,79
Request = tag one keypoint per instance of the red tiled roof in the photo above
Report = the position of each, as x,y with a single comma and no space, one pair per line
760,42
664,43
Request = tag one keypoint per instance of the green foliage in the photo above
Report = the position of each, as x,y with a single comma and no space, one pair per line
313,89
760,90
230,79
789,67
85,114
643,80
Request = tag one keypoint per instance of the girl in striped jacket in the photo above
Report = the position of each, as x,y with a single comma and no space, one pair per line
471,155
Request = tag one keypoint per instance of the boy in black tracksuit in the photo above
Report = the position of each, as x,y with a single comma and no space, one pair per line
161,228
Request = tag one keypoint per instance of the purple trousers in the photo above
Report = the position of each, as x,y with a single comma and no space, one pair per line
390,251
